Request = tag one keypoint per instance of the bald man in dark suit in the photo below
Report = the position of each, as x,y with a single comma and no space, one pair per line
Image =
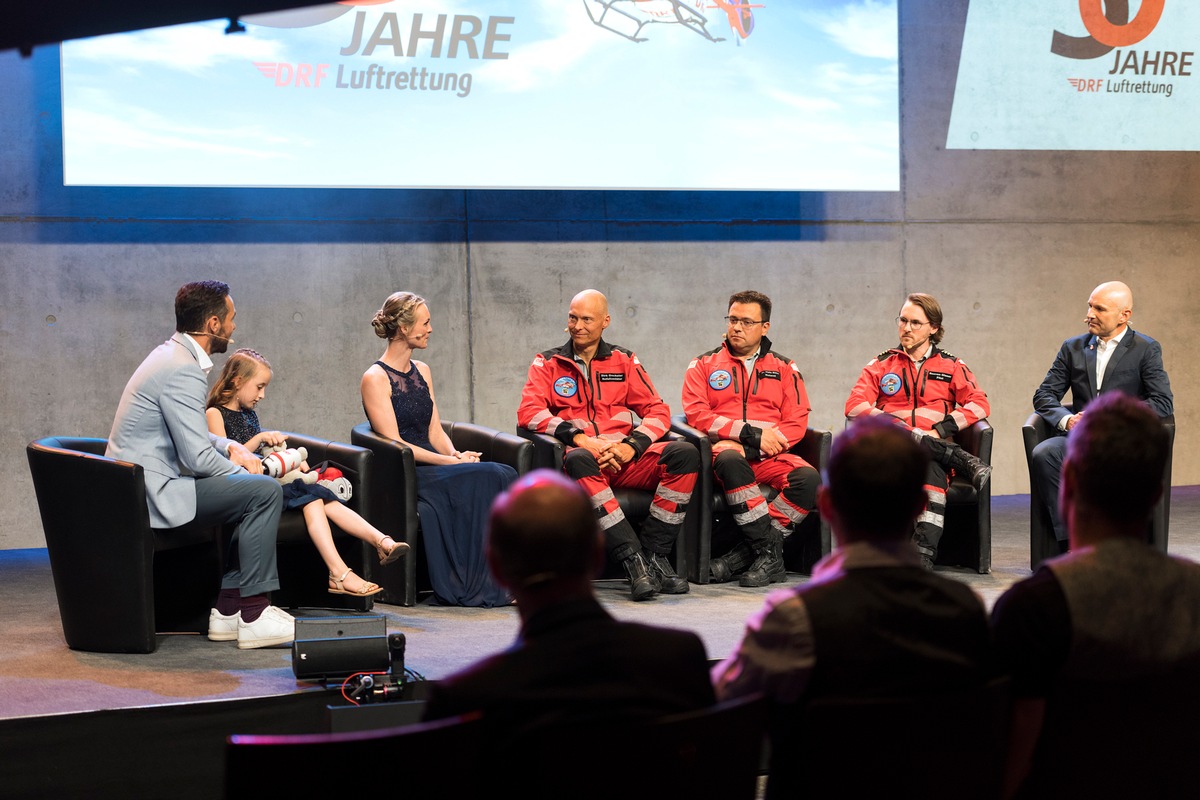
1110,357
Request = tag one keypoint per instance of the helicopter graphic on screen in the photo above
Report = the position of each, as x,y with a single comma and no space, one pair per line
627,18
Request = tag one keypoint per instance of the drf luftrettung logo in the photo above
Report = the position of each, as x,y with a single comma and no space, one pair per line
392,37
1110,28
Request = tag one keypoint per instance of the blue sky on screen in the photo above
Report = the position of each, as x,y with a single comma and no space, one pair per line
807,100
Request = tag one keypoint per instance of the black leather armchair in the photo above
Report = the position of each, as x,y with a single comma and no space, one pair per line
967,539
119,582
1042,542
809,756
813,448
105,557
393,504
635,503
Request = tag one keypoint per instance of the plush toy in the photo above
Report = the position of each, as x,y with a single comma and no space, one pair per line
333,480
284,464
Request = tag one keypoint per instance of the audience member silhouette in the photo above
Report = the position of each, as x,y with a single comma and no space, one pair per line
1104,642
573,664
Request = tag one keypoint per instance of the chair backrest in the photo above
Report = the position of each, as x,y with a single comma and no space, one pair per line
712,752
429,759
934,745
94,514
1129,738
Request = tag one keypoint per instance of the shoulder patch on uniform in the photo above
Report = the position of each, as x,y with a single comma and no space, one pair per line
539,360
883,355
949,356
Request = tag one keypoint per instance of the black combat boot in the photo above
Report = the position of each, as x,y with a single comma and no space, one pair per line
728,566
767,567
971,467
641,584
661,570
928,552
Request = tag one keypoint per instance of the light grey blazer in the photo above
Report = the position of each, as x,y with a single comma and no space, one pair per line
160,424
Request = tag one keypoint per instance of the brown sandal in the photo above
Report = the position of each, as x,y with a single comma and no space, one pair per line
367,589
388,556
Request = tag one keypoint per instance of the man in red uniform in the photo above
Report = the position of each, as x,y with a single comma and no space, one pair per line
935,395
597,399
752,404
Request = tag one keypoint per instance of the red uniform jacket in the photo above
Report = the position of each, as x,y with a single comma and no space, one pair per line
720,399
940,393
560,400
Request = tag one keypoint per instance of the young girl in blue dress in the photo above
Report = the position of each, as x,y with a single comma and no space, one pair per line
231,403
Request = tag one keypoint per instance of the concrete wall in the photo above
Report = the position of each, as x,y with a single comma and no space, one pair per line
1010,242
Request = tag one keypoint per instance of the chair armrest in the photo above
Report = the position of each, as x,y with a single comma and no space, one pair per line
548,452
355,460
680,427
976,439
496,446
393,481
814,447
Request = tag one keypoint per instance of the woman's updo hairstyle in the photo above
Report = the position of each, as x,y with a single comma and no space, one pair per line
399,310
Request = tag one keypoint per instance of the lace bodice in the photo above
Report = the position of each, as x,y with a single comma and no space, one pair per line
411,403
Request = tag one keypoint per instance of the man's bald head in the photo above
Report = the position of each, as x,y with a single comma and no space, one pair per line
1117,293
594,299
1109,308
543,530
587,320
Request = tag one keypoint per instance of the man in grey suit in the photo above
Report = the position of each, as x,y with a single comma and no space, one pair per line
1111,356
192,475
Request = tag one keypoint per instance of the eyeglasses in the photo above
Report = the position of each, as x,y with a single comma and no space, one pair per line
745,323
914,324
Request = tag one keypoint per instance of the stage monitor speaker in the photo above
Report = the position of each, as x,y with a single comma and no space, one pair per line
337,647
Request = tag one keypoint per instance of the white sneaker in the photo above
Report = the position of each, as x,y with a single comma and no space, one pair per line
223,628
274,627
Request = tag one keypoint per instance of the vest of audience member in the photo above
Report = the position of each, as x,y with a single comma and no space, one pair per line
929,632
1109,588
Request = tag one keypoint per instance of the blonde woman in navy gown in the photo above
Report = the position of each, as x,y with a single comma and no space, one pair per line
454,488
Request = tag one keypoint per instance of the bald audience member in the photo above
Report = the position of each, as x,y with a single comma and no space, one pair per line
572,663
1103,643
597,399
1110,357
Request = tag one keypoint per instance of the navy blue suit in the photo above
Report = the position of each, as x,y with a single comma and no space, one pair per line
1135,368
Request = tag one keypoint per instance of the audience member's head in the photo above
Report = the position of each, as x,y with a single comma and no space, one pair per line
1113,470
543,535
874,484
196,303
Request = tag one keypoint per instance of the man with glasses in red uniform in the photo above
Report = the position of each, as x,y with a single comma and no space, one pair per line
935,395
751,403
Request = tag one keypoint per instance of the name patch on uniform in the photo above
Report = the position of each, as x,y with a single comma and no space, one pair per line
720,379
889,384
566,387
941,376
768,373
610,377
